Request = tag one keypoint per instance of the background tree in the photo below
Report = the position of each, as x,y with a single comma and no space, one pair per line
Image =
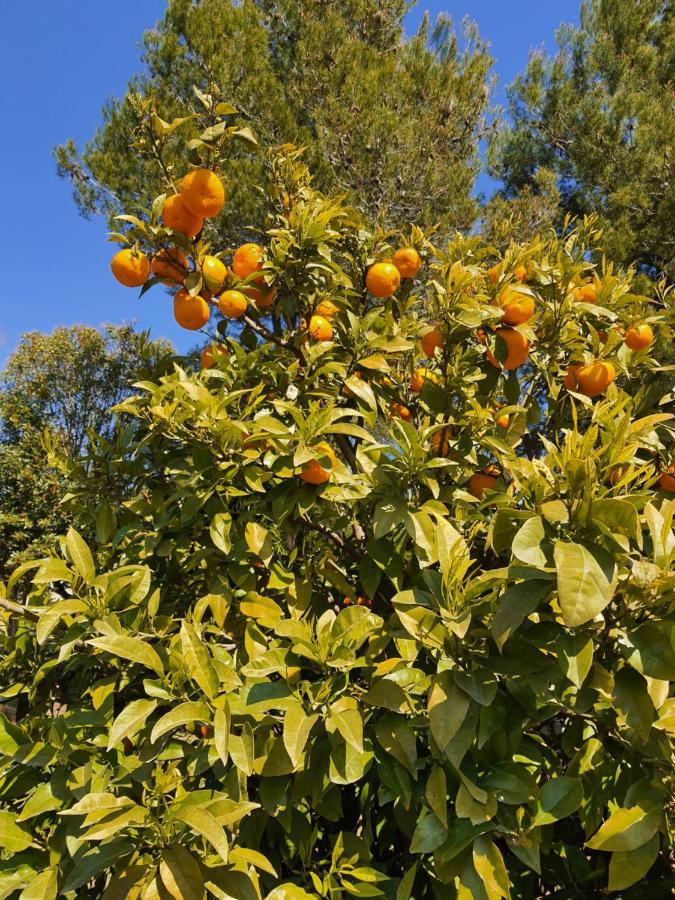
599,116
55,389
394,122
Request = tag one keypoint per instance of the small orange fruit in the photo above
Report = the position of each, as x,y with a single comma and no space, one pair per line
494,273
203,193
383,279
248,259
418,378
407,260
232,304
190,312
399,411
502,419
170,265
130,267
639,337
520,272
517,345
178,217
327,309
315,472
430,341
481,482
585,293
320,328
440,441
667,480
518,308
214,273
595,378
210,353
262,297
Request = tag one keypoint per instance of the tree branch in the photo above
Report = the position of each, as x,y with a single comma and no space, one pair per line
18,609
269,336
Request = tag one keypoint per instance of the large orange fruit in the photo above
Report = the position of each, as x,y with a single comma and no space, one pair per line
383,279
595,378
667,480
399,411
211,353
170,265
520,272
518,348
232,304
638,337
178,217
430,341
480,482
247,260
130,267
585,293
570,380
214,272
319,469
190,312
203,193
407,260
518,307
320,328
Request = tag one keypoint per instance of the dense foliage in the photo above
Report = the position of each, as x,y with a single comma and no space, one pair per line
386,608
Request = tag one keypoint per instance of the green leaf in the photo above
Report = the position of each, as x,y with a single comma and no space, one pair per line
221,524
559,798
628,867
575,656
429,834
297,727
130,720
190,711
259,541
13,837
202,822
527,543
221,731
197,660
81,556
350,725
51,617
133,649
91,863
180,874
632,700
489,865
11,737
626,829
447,707
43,887
650,650
436,794
586,582
515,605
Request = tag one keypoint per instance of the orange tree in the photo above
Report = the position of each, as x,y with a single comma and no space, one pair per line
385,606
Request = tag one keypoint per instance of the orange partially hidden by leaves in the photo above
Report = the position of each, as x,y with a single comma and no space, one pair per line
232,304
399,411
210,354
502,419
639,337
327,309
520,272
247,260
314,471
320,328
178,217
383,279
570,380
262,297
494,273
518,349
585,293
595,378
203,193
667,480
214,272
170,265
481,482
418,378
518,307
190,312
130,267
430,341
408,262
617,473
440,441
346,390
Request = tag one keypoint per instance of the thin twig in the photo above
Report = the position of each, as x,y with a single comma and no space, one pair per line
18,609
268,335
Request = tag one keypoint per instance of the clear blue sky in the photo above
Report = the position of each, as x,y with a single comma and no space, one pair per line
61,60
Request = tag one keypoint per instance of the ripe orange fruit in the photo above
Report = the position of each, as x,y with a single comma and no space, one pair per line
502,419
170,265
313,472
248,259
520,272
440,441
494,273
346,390
418,378
130,267
639,337
203,193
407,260
570,380
518,348
481,482
383,279
214,273
518,308
190,312
320,328
430,341
595,378
667,480
178,217
585,293
261,297
327,309
210,353
232,304
399,411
